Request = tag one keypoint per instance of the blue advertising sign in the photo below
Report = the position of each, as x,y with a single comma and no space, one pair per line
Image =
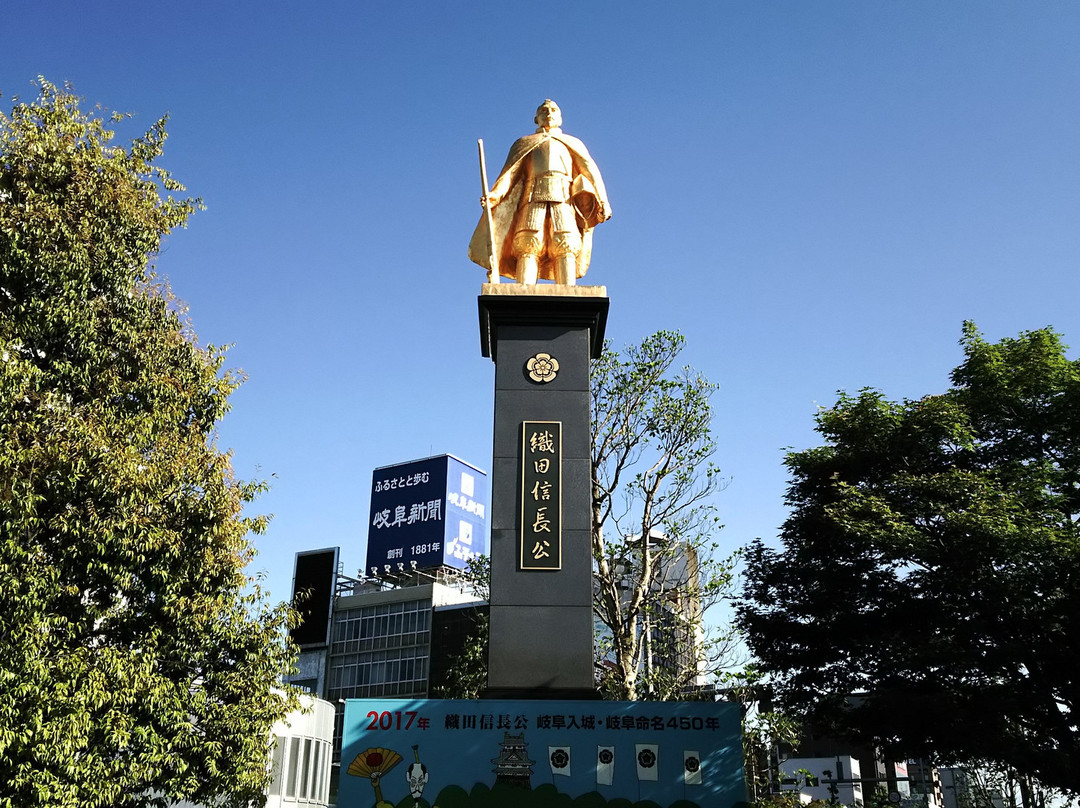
426,513
466,513
540,754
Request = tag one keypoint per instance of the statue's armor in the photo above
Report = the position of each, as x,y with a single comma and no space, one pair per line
549,169
548,173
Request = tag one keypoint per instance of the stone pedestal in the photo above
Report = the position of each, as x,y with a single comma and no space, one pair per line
541,561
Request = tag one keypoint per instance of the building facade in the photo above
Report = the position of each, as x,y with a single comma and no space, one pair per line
670,628
389,638
836,779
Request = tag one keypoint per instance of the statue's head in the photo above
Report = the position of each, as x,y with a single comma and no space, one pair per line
548,115
417,774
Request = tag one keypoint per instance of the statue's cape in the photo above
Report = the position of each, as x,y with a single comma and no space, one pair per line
587,194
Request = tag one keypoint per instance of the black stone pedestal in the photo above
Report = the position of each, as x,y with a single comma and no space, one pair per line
541,561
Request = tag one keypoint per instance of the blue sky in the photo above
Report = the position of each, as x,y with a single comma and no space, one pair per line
816,193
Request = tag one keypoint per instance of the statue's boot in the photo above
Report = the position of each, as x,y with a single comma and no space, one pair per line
527,269
566,269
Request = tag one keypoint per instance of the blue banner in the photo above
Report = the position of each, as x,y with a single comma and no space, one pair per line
400,753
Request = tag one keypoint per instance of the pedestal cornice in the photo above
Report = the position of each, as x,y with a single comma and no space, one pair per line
548,304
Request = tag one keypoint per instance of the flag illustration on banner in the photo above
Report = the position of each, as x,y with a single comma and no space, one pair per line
605,765
691,763
559,758
646,761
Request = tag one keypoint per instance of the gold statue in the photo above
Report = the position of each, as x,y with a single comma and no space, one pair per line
543,207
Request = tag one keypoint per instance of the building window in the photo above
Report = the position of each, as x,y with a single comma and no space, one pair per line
379,651
275,766
305,763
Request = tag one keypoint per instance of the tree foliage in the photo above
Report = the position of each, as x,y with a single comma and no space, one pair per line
982,785
653,522
136,661
931,563
468,668
764,732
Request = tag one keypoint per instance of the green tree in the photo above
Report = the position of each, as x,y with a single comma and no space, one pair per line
467,674
925,595
137,661
987,786
764,733
656,562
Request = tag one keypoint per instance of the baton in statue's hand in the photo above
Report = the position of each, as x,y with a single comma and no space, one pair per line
493,272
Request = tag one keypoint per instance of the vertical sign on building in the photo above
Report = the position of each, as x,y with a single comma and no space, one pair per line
314,581
466,508
541,495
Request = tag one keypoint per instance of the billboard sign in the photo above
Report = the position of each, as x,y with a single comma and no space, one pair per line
426,513
314,579
483,754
